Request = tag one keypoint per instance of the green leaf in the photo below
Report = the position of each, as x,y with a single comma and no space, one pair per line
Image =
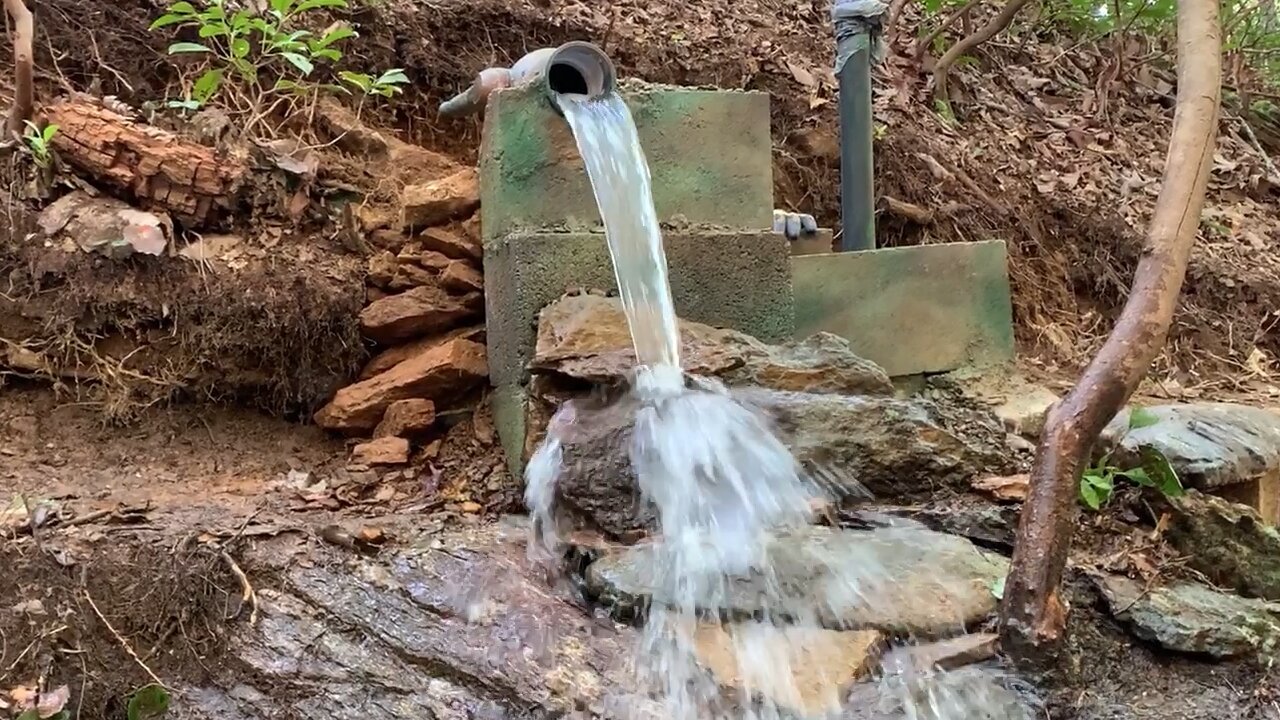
303,64
239,48
182,8
190,105
187,47
207,85
281,7
148,703
29,715
327,54
338,34
247,70
1090,496
1164,477
167,20
306,5
213,29
1140,417
1138,476
360,80
394,76
49,132
997,588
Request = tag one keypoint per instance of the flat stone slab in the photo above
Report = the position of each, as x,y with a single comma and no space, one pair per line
1209,444
709,153
910,310
902,580
1193,618
731,280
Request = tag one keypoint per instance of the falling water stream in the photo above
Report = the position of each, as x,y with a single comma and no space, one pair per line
721,482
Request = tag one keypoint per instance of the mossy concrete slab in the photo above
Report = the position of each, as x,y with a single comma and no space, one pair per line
709,154
734,280
921,309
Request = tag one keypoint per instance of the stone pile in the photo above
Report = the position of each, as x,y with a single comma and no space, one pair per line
425,318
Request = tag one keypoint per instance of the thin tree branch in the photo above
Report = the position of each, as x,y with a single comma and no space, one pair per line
993,27
1033,614
24,31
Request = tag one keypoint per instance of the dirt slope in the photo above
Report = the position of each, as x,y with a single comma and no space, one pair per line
1046,154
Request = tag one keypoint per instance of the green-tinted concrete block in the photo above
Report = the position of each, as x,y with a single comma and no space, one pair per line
929,308
709,154
735,280
509,403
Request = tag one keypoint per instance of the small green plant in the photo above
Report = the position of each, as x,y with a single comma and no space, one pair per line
1098,482
39,142
266,52
149,702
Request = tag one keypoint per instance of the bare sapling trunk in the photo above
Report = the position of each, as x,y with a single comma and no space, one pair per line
993,27
1033,614
24,98
927,41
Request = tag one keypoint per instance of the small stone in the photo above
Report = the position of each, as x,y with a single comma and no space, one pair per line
438,202
945,654
1194,618
381,451
409,275
460,277
419,311
382,270
439,373
1008,488
451,244
389,240
406,418
823,663
1024,412
429,259
393,356
470,507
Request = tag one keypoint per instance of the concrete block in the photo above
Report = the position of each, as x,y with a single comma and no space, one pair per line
709,154
735,280
509,402
928,308
821,242
1261,494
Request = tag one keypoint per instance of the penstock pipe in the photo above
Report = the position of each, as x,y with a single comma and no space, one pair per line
575,69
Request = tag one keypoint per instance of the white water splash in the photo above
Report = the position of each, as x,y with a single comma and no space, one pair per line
720,481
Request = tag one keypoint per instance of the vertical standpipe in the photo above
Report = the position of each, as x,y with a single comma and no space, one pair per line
857,26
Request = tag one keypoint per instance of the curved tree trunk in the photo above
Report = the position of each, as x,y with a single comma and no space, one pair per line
24,30
1033,614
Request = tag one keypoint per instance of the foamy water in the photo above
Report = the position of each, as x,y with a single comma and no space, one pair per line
713,469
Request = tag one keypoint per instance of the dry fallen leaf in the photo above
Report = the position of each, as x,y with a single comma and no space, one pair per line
1009,488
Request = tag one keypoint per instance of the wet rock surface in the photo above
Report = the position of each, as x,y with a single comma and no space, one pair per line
1209,444
1228,542
851,445
1194,618
454,627
820,664
587,337
902,580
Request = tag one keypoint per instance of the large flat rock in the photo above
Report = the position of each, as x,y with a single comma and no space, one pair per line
903,580
1209,444
1194,618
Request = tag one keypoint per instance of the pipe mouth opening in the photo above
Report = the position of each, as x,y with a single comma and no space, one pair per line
582,69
